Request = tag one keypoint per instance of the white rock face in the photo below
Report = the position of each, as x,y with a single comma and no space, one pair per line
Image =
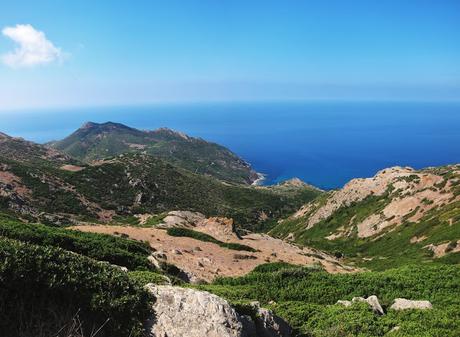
345,303
182,312
404,304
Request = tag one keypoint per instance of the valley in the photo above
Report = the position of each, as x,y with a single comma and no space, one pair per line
138,233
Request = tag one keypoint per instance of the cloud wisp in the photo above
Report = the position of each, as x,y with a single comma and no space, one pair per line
33,48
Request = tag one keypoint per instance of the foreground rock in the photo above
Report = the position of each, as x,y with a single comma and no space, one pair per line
404,304
182,312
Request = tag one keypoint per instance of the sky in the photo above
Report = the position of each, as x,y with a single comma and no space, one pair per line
96,53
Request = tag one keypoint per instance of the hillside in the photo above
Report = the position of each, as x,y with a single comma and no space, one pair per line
63,191
398,216
24,151
95,141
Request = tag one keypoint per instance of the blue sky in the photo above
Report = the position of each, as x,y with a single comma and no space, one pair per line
136,52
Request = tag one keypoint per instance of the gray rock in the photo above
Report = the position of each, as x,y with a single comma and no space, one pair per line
373,302
404,304
182,312
269,325
344,303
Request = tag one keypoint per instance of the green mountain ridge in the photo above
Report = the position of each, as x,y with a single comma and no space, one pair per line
95,141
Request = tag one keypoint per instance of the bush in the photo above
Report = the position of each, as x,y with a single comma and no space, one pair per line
119,251
307,298
146,277
42,287
185,232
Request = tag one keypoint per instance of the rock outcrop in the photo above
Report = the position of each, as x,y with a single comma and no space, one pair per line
182,312
406,195
269,325
373,302
404,304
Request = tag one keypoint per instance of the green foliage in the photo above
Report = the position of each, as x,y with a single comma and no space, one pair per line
306,297
272,267
186,232
145,277
119,251
193,154
39,286
390,250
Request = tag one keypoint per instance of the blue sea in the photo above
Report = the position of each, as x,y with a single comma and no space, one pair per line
323,143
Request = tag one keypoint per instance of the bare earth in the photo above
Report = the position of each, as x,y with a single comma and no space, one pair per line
207,260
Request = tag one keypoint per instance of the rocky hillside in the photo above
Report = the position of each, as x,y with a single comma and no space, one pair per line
24,151
399,214
43,184
95,141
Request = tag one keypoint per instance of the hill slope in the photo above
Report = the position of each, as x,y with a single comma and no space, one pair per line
95,141
109,190
400,214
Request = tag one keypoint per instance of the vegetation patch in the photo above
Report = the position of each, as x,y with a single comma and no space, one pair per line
306,298
119,251
47,291
190,233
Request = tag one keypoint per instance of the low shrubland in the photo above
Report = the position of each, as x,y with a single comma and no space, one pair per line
119,251
47,291
306,298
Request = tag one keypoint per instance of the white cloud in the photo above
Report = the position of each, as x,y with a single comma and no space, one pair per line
33,47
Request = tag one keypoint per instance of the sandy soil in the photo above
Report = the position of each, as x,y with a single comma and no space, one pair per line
207,260
72,168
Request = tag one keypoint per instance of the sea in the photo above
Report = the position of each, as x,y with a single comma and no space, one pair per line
325,143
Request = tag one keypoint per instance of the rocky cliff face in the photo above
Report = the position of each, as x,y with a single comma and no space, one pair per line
406,207
409,195
181,312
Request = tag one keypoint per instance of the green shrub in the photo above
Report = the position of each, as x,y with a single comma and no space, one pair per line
119,251
271,267
307,298
185,232
145,277
43,287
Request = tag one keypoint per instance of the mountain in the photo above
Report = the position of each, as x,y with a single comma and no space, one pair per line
43,184
24,151
95,141
398,216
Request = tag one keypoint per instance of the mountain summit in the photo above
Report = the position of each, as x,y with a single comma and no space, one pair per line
94,141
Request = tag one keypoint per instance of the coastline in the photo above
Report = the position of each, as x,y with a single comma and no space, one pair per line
260,179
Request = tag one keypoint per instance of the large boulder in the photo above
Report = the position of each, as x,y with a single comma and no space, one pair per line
404,304
182,312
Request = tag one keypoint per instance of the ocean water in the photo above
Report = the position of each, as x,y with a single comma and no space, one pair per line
323,143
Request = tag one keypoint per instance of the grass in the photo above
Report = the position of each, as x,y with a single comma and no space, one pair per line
190,233
306,298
